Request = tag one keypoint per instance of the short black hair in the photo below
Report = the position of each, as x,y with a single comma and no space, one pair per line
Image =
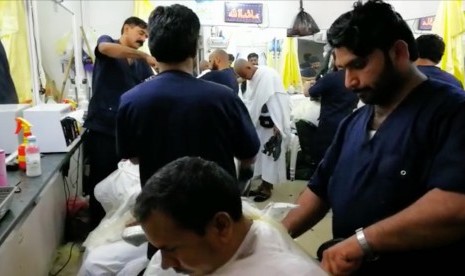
134,21
173,33
252,55
431,46
231,57
369,26
307,56
191,191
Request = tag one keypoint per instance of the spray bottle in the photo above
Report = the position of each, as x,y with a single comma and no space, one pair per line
22,124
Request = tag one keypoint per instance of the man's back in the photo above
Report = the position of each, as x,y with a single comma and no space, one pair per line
225,77
436,73
177,115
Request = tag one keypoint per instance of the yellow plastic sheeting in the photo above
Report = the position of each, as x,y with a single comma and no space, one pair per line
142,9
449,23
290,70
13,33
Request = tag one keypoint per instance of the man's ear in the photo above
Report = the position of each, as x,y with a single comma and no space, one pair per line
400,52
222,224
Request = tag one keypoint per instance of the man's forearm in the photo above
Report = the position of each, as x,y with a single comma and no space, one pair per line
120,51
310,211
435,219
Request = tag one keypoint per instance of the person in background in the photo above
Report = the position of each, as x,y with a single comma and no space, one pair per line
203,235
310,66
252,58
336,103
221,72
231,59
394,175
119,66
7,87
430,51
204,68
269,108
189,116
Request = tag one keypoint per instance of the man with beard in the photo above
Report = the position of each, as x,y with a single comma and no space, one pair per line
221,72
394,175
119,66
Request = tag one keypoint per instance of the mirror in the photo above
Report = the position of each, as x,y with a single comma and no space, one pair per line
38,38
310,57
55,50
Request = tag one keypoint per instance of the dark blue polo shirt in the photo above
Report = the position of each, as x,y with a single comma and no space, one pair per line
420,146
437,73
225,77
176,115
336,103
110,79
336,100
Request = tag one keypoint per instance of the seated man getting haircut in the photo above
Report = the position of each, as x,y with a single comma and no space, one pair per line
200,234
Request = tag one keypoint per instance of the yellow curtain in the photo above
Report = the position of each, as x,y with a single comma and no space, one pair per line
13,33
142,9
449,23
290,69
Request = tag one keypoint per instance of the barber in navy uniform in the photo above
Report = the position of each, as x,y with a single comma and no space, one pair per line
119,66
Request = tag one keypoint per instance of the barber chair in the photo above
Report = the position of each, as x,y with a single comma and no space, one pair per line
307,161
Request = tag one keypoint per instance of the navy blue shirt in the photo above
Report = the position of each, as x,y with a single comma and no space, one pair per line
225,77
336,103
110,79
336,100
176,115
419,147
437,73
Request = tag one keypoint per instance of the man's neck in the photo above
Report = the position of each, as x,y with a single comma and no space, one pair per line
183,66
242,228
424,62
414,78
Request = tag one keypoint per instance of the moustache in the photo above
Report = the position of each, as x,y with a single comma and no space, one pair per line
362,90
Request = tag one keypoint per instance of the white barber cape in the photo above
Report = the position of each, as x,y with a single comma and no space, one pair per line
264,251
266,87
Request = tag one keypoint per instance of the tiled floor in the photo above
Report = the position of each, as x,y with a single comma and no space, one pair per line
287,192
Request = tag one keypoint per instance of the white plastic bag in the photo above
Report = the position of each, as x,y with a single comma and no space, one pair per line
117,194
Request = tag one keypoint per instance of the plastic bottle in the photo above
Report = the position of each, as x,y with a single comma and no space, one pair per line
33,166
3,176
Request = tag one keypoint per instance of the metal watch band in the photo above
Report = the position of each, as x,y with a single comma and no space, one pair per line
364,244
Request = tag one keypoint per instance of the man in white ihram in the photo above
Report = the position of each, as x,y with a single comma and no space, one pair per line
269,108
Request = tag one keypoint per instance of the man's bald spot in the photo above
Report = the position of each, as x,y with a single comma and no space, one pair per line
221,54
241,64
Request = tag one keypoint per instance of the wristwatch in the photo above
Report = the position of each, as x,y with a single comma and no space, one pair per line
362,241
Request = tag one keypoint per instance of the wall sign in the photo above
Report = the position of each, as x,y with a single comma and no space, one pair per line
251,13
425,23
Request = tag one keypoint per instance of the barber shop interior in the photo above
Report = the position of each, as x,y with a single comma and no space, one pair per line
211,137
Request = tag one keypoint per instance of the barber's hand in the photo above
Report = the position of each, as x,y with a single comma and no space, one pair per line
343,258
151,60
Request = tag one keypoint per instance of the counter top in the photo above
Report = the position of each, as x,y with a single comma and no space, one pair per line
30,190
